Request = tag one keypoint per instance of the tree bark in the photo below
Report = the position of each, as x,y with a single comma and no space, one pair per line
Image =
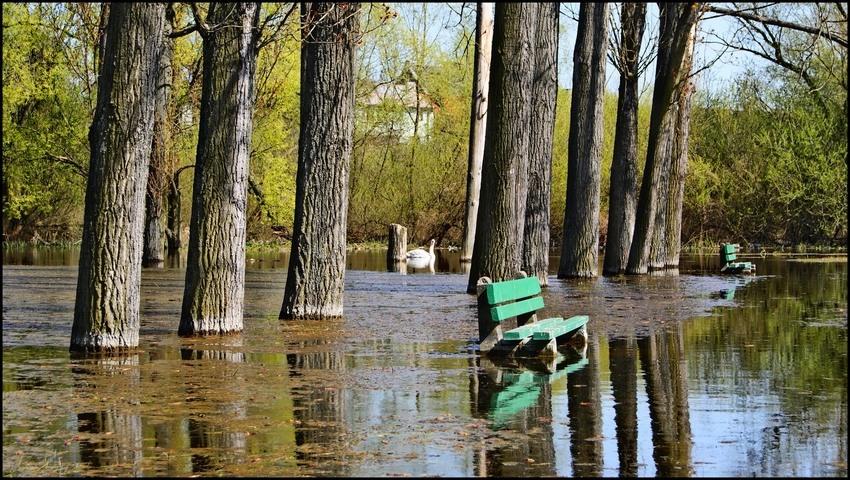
504,173
679,170
544,97
676,21
213,297
658,246
106,310
622,193
580,244
396,244
174,217
154,238
477,124
316,276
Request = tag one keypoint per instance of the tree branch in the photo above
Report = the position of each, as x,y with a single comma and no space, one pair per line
827,34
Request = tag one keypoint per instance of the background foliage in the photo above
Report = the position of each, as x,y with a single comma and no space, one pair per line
768,156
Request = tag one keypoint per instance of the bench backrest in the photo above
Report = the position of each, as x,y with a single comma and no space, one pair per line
522,293
727,253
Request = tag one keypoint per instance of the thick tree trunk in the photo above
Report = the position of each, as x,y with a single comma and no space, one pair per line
154,252
677,20
106,311
544,96
677,179
580,244
315,280
504,174
681,125
657,249
213,297
477,124
622,194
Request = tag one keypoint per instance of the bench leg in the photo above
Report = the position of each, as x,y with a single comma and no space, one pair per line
577,339
506,348
491,340
538,348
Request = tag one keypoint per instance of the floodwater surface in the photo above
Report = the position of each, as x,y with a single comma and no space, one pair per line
692,374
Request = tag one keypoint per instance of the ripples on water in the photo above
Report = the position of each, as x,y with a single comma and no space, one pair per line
694,374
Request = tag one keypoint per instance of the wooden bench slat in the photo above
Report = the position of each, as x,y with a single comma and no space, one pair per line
528,329
500,292
560,328
508,310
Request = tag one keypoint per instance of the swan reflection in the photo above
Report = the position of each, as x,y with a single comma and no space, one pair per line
421,263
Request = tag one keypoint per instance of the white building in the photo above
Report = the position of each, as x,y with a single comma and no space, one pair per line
393,110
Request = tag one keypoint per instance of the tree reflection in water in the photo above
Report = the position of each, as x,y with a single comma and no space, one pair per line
676,380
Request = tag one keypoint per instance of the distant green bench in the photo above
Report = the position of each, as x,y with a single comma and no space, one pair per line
728,255
499,303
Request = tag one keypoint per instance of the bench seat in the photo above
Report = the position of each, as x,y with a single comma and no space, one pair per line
529,329
560,328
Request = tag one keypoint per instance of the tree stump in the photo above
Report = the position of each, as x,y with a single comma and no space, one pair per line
396,247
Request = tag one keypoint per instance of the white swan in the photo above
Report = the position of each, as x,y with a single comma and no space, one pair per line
421,253
421,263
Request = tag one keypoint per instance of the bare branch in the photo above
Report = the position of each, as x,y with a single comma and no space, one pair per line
76,167
755,17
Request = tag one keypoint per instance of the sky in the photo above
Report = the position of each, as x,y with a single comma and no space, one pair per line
444,17
725,70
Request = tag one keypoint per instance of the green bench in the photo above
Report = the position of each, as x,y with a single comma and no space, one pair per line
508,323
728,255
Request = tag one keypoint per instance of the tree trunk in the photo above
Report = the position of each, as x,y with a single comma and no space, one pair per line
504,176
657,249
106,310
679,171
676,20
174,216
544,96
315,279
580,244
213,297
622,192
154,238
477,124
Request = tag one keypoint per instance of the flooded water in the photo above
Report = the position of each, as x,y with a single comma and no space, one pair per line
689,375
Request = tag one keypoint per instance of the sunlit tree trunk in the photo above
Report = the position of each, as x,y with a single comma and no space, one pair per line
657,245
544,96
504,173
676,20
316,276
580,244
477,124
106,310
622,194
154,252
678,173
213,297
